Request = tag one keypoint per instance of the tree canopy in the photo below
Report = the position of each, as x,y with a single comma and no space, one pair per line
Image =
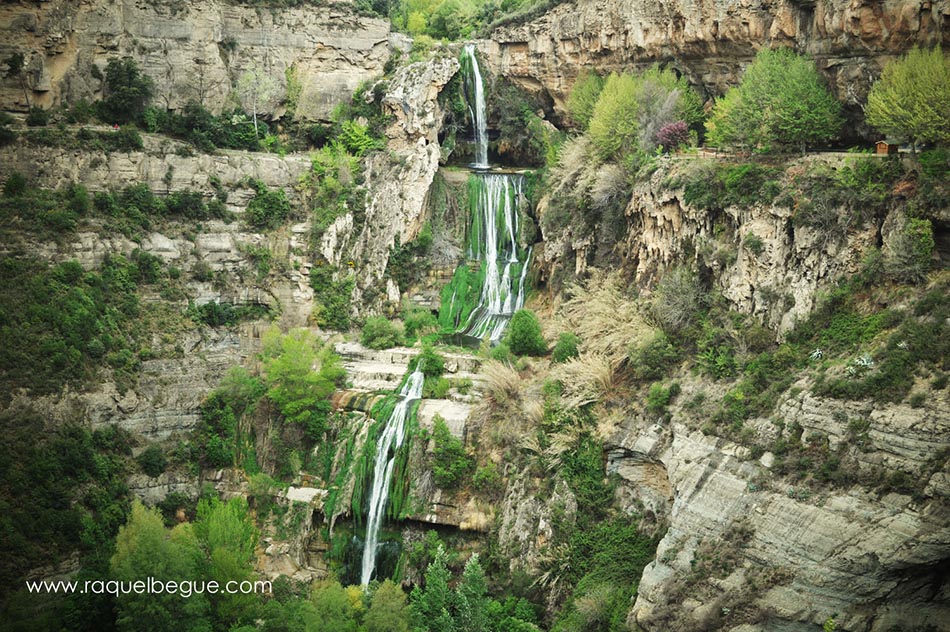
911,100
781,102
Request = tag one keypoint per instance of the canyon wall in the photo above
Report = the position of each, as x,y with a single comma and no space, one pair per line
191,50
711,41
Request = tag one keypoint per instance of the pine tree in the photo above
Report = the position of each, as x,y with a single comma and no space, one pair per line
472,599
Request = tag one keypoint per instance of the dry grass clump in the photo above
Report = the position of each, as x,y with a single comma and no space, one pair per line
608,321
502,384
586,379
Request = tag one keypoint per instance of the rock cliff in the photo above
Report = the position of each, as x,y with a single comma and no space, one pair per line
711,41
191,50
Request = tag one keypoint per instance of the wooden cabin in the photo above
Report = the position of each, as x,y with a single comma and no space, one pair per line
884,148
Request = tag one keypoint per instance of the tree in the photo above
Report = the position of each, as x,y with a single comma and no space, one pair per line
256,87
145,549
388,611
631,110
127,90
15,66
584,97
524,334
334,611
911,100
782,100
228,537
472,598
300,375
432,604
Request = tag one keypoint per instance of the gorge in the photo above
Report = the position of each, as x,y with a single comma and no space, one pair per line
465,316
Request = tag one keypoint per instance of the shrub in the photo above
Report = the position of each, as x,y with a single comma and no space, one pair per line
907,256
584,97
267,209
450,462
380,333
782,100
334,297
566,347
37,117
654,359
419,322
524,334
433,365
677,301
127,92
754,243
15,185
152,461
658,397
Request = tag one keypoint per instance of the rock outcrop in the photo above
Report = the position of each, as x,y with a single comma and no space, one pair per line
749,548
710,41
397,182
192,51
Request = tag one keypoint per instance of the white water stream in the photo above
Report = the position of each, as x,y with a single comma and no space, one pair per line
387,445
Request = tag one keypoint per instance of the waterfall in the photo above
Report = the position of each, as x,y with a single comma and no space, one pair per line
389,442
478,115
497,198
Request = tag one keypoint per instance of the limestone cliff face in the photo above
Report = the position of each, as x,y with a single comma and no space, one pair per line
750,551
191,50
397,181
710,41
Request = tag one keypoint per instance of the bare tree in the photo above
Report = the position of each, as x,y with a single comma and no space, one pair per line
256,87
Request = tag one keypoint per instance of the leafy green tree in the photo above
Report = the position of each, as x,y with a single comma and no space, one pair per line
472,598
388,611
450,462
782,101
911,100
566,347
145,549
431,605
256,87
301,374
127,92
228,536
334,611
152,461
524,334
584,97
632,109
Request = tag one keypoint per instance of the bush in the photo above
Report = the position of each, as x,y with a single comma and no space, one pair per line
907,256
524,334
37,117
433,365
380,333
450,462
15,185
566,347
152,461
654,359
267,209
127,92
419,322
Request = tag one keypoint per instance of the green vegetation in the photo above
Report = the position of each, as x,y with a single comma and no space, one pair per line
631,110
152,461
127,92
782,102
301,374
333,294
450,463
524,334
381,333
712,185
334,189
267,209
584,97
61,325
911,100
566,347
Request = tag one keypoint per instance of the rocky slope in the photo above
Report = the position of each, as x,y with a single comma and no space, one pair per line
191,50
710,41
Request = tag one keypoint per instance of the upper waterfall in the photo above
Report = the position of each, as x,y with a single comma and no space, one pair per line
478,111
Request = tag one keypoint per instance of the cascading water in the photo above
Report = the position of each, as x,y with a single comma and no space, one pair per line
479,307
389,442
478,112
494,241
